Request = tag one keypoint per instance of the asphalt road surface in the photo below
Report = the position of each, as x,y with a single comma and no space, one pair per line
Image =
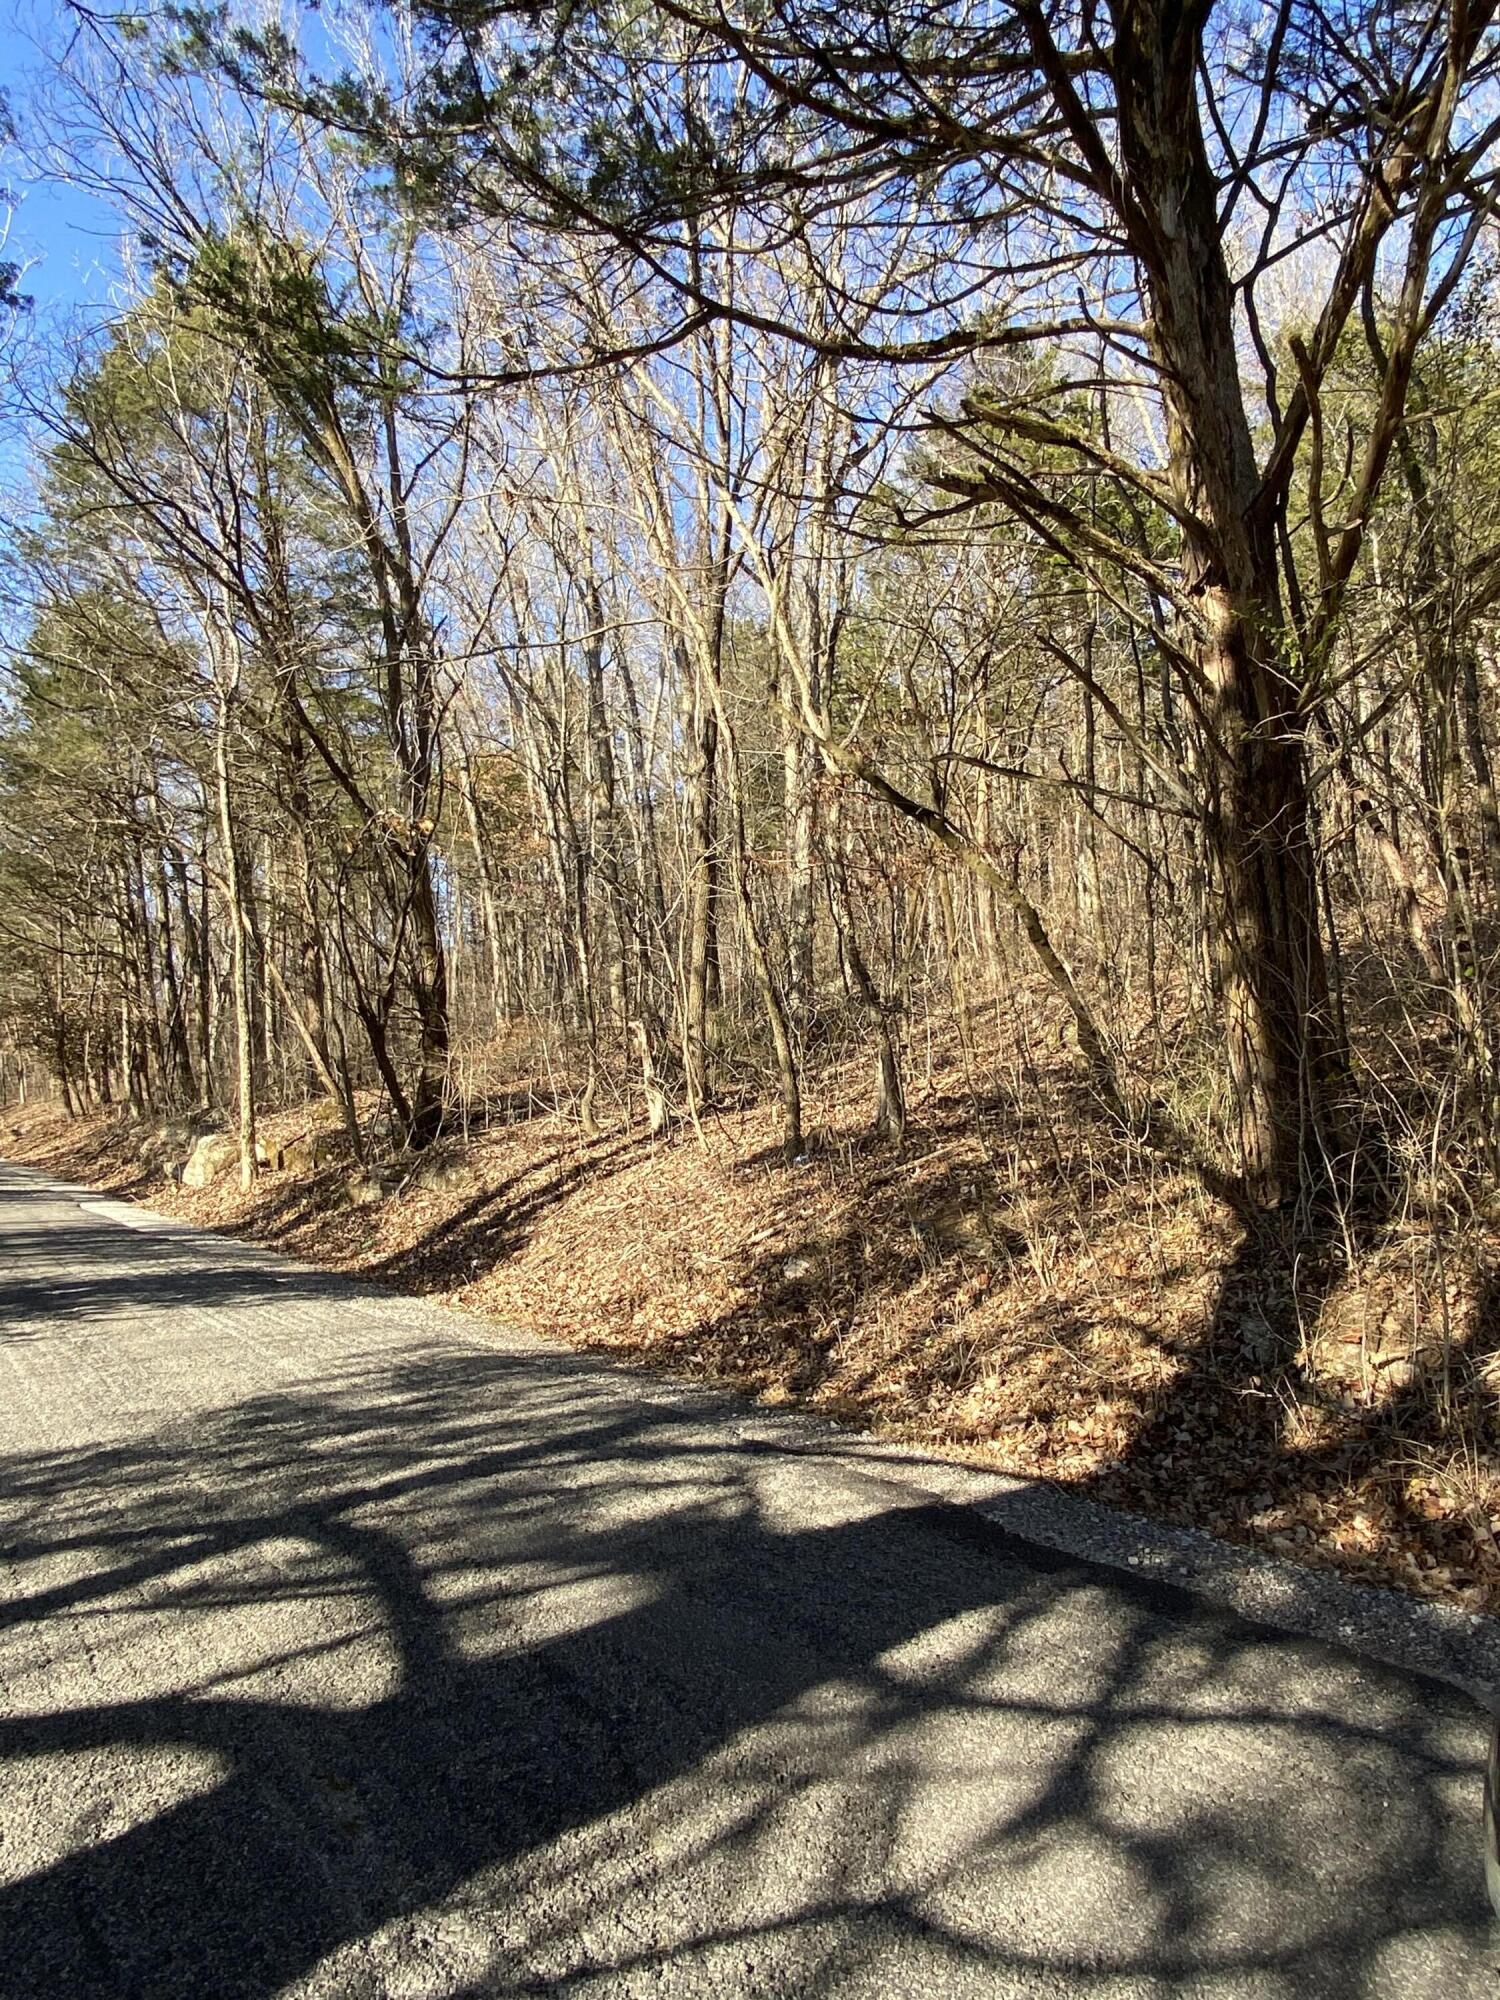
350,1648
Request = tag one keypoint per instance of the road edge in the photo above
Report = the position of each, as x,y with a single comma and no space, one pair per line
1385,1625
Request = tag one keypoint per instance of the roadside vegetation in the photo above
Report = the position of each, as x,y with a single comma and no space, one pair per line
814,697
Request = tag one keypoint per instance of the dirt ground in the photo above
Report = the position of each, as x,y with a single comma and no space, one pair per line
1011,1288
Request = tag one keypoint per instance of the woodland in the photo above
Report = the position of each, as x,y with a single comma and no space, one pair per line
827,587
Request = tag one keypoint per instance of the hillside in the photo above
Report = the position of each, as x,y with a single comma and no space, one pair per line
1015,1294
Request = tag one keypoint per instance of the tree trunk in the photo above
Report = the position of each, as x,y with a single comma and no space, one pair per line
430,993
698,938
788,1079
177,1033
244,1041
1286,1061
890,1100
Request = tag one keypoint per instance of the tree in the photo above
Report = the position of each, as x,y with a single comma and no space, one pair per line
1126,187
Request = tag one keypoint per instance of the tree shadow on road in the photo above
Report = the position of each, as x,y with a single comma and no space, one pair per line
56,1271
464,1673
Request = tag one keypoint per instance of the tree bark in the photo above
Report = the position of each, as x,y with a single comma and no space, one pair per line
244,1041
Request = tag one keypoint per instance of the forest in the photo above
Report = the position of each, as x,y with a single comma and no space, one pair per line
844,586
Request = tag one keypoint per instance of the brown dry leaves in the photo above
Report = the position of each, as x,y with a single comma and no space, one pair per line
994,1293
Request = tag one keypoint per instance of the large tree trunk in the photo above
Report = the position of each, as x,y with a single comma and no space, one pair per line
1282,1050
1286,1061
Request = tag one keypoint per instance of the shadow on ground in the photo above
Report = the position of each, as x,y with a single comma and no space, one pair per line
457,1672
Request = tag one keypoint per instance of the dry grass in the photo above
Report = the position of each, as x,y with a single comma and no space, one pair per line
1012,1288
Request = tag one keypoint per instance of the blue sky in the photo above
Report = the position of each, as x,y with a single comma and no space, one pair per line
65,238
67,243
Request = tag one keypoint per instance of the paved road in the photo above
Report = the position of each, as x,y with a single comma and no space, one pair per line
349,1649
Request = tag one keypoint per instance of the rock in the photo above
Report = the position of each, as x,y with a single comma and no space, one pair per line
214,1153
171,1143
1394,1371
165,1143
797,1270
364,1190
965,1225
311,1150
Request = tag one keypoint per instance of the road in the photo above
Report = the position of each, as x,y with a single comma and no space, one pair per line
350,1647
